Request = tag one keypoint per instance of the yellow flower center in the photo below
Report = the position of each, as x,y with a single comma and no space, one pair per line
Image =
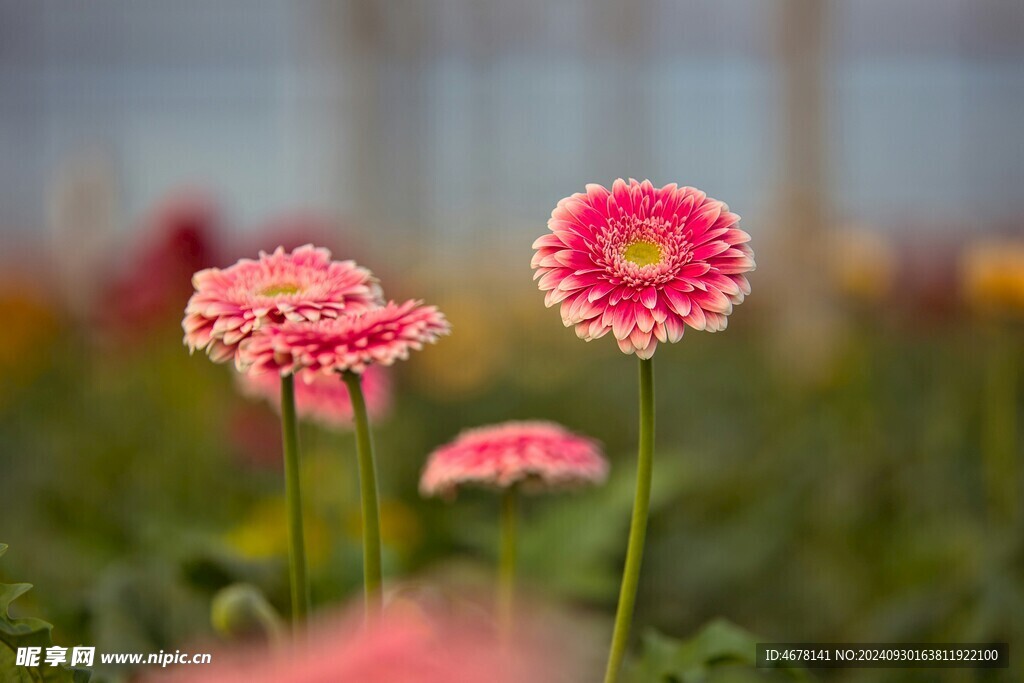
279,290
642,253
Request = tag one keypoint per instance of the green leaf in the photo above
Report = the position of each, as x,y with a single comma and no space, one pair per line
720,647
29,632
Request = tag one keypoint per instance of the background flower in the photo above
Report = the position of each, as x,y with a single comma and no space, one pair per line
640,262
304,285
863,264
178,237
321,398
992,273
536,454
350,342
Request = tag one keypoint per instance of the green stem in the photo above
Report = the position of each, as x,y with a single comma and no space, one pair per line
507,560
297,545
638,525
999,430
368,493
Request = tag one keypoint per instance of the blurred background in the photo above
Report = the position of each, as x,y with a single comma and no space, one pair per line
843,464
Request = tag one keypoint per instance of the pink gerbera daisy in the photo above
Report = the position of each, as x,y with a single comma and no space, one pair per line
641,262
348,343
319,398
536,454
304,285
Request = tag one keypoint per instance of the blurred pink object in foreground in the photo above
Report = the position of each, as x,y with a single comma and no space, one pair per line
402,646
322,398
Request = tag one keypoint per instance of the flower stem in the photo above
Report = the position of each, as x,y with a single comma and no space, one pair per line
297,545
507,560
368,493
638,525
999,430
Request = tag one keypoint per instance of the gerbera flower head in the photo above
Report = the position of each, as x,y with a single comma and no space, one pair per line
320,398
351,342
539,455
229,304
643,263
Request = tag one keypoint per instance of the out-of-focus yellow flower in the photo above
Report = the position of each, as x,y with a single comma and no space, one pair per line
543,356
264,533
471,357
30,327
992,276
863,264
398,524
328,477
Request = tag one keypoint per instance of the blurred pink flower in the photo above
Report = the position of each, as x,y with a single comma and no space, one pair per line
304,285
349,342
537,454
401,646
641,261
321,398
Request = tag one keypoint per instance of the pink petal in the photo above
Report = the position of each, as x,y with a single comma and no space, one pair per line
649,297
623,321
677,301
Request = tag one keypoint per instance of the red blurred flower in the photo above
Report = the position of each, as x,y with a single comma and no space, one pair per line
178,238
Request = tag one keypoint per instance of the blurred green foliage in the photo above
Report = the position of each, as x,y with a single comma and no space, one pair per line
720,652
28,633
